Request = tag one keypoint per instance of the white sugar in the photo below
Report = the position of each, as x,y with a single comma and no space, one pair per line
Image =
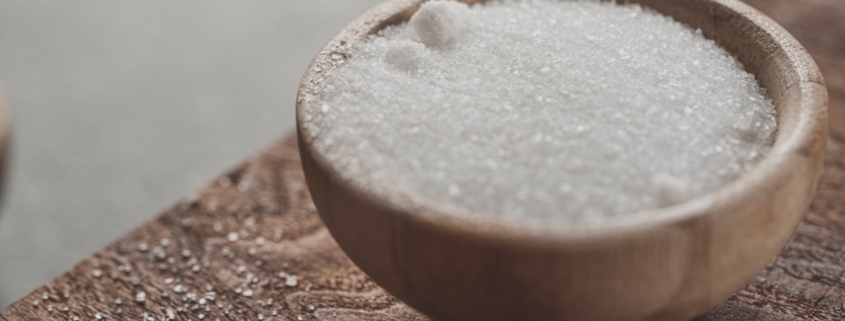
544,109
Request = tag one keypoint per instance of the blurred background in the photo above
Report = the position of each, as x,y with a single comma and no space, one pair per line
122,107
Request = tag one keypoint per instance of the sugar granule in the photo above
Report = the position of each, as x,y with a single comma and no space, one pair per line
439,23
543,109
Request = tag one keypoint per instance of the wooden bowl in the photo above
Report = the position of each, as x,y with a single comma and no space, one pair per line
665,264
5,137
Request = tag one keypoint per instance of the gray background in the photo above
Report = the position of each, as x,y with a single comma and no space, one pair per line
122,107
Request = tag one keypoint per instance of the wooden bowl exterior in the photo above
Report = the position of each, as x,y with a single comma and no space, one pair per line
5,138
666,264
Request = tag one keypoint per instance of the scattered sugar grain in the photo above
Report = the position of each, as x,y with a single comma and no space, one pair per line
542,109
141,297
291,281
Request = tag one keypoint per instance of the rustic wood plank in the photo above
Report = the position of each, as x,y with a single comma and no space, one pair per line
277,235
231,252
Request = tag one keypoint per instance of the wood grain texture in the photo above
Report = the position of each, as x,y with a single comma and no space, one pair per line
266,197
267,194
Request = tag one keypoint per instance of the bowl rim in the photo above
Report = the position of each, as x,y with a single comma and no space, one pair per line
6,120
769,172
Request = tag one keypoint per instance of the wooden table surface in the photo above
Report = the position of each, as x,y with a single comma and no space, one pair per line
250,245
